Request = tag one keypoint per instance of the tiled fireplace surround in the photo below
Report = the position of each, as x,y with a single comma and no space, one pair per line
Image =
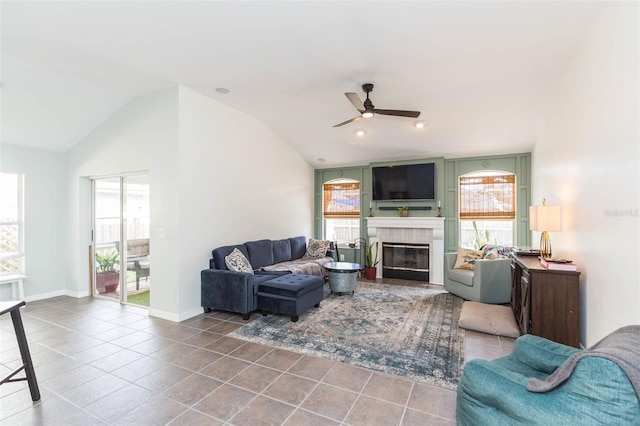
425,230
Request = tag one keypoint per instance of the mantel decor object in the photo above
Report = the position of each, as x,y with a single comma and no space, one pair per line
545,219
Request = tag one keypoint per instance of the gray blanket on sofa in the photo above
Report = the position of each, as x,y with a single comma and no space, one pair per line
303,266
622,347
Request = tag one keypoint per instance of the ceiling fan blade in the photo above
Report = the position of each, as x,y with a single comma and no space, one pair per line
400,113
348,121
355,100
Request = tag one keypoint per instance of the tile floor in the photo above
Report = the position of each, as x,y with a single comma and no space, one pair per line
98,362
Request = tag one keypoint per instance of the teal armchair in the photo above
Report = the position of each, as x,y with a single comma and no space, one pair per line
597,391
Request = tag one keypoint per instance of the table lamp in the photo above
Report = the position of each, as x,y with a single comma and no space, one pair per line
545,219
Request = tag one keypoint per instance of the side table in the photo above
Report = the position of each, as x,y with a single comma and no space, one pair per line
343,276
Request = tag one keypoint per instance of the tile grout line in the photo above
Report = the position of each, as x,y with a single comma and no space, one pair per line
358,397
158,332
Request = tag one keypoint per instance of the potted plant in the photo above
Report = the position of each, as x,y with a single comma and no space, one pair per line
107,278
404,211
371,261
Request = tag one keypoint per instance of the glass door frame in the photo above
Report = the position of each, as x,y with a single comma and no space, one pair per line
122,232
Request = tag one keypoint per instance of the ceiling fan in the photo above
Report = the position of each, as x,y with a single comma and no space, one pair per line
367,109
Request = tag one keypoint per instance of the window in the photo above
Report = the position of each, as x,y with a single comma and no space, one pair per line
341,210
487,209
11,224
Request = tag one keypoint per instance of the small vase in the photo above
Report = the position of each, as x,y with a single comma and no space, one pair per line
404,213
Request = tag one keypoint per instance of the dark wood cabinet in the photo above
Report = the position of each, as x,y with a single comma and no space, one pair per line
545,302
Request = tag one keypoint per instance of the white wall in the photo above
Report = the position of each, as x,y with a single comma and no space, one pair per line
143,135
45,218
217,176
587,161
238,182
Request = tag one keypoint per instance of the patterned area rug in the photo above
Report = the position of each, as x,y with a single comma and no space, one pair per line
404,331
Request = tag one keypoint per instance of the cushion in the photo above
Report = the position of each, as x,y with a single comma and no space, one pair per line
467,258
261,278
281,251
291,285
491,254
502,251
490,319
298,247
220,253
462,276
316,249
237,262
260,253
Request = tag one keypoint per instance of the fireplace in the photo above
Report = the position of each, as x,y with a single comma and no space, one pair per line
412,231
405,261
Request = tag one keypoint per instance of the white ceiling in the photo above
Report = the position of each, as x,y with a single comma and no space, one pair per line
480,72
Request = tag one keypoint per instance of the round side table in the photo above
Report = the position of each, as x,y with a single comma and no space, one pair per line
343,276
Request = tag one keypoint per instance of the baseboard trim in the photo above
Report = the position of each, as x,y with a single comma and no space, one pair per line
77,294
170,316
43,296
193,313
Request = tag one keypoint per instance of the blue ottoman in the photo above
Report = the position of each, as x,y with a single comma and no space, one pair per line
290,294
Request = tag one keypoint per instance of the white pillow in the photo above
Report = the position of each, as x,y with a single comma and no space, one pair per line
467,258
237,262
316,249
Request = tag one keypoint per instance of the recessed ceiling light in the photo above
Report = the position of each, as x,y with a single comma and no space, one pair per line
360,132
322,160
223,90
419,124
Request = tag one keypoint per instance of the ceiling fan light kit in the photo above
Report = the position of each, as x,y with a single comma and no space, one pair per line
367,109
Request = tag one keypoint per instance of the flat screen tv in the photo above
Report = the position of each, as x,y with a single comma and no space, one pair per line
404,182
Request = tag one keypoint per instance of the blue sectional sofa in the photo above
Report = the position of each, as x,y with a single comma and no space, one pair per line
268,288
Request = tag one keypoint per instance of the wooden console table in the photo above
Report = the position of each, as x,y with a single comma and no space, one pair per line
546,302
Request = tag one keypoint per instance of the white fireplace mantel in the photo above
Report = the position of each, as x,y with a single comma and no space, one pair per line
428,230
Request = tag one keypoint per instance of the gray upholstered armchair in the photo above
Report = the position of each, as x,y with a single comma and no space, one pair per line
489,282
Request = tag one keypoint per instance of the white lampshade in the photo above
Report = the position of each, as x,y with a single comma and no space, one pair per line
545,218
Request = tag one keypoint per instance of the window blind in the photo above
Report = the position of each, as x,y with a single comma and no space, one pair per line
487,197
341,200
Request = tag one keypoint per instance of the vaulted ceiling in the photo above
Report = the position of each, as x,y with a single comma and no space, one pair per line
481,72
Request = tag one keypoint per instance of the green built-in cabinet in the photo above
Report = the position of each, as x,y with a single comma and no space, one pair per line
447,173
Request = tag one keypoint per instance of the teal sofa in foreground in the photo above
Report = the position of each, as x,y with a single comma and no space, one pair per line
588,388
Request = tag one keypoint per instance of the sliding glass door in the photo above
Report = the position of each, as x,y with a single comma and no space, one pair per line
121,238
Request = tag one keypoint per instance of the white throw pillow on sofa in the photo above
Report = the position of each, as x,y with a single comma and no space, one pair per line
237,262
316,249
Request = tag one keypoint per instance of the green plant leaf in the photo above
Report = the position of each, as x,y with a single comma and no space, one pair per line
371,260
